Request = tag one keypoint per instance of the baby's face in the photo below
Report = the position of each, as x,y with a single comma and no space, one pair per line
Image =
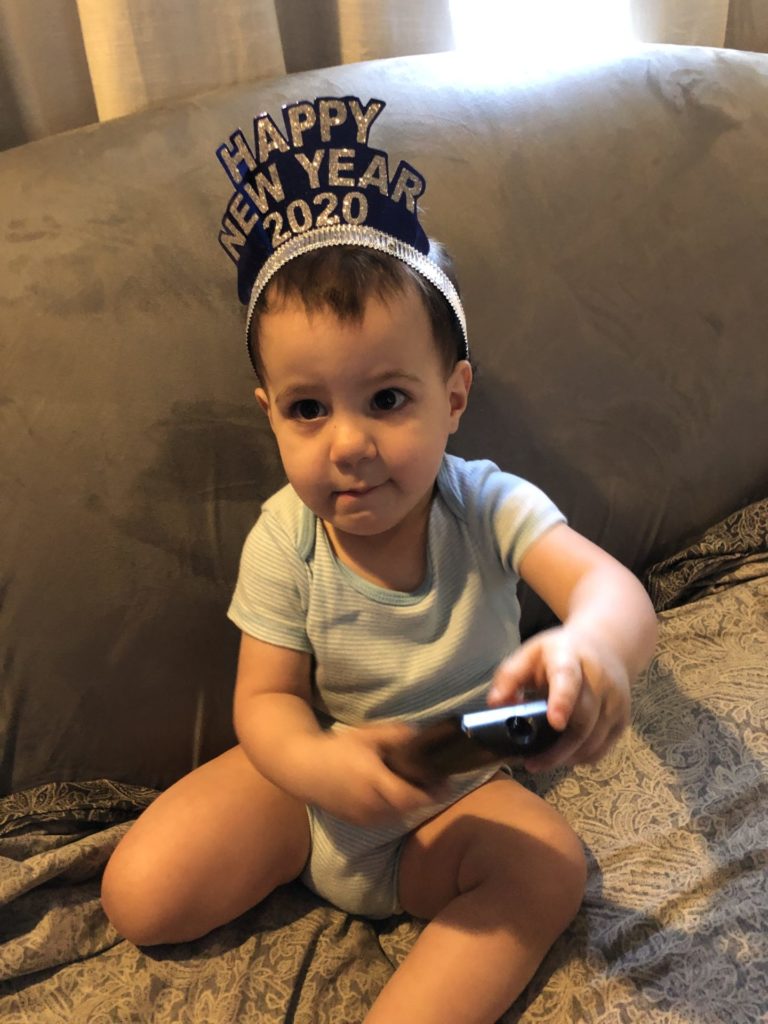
361,411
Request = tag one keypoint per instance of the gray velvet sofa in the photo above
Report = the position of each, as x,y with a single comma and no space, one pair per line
610,226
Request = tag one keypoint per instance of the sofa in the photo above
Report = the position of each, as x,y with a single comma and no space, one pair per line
609,223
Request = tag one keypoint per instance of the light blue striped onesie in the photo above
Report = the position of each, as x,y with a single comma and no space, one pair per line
384,654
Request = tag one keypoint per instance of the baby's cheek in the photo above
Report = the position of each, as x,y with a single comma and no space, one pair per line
302,469
316,499
419,457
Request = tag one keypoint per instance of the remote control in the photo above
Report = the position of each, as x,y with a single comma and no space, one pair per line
462,743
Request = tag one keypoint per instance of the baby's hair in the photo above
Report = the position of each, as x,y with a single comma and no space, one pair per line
341,279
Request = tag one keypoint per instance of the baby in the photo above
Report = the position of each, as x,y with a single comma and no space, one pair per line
377,590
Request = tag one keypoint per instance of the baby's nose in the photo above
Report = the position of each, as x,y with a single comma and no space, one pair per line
352,440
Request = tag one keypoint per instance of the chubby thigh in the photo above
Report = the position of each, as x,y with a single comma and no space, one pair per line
500,833
211,846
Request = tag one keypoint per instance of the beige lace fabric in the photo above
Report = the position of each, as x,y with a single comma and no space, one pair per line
675,821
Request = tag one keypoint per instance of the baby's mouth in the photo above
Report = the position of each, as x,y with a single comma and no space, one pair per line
357,492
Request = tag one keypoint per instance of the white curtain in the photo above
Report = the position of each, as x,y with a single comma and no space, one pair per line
142,51
690,22
65,63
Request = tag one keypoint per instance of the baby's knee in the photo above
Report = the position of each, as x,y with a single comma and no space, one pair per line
561,878
139,907
569,877
546,879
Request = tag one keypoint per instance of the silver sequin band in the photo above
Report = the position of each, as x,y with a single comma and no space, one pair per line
368,238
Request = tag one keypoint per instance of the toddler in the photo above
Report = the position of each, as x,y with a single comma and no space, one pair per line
377,592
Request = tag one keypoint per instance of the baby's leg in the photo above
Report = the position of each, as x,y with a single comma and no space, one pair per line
209,848
499,875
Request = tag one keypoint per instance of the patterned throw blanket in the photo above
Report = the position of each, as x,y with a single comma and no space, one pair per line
734,551
675,821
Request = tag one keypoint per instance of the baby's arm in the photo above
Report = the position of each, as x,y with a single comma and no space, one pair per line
340,771
588,664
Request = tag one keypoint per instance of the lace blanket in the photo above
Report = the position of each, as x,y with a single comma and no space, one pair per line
675,821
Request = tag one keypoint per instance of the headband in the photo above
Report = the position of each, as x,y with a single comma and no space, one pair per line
317,183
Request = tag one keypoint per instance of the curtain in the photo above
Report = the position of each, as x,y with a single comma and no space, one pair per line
64,63
738,24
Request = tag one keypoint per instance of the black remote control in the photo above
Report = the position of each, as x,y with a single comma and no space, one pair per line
462,743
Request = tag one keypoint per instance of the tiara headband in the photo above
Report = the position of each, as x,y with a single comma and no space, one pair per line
315,184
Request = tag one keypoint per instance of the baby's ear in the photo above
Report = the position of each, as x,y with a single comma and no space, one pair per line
263,400
459,384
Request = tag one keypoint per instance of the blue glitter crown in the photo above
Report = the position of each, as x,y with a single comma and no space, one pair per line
317,183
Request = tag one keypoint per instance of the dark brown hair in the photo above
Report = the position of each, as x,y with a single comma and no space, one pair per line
341,279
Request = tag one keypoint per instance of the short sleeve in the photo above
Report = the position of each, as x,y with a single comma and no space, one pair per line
524,514
270,597
512,511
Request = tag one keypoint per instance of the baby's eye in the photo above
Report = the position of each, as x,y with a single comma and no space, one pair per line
388,399
307,409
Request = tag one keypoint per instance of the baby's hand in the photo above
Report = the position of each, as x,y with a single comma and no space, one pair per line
588,692
352,781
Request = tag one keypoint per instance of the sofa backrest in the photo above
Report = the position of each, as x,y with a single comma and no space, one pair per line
610,228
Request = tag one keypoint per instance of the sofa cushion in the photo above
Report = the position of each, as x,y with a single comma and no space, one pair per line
611,233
